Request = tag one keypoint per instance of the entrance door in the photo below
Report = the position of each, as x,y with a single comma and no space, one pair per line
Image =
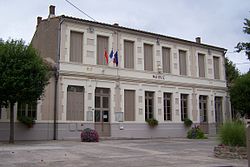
218,112
203,114
102,117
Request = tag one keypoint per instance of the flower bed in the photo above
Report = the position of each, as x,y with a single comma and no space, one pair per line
89,135
229,152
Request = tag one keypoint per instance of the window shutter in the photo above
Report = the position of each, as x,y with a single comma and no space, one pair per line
166,60
216,67
182,62
148,57
76,46
102,44
201,61
129,105
128,54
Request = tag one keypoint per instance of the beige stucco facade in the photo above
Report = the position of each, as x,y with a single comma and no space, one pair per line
90,76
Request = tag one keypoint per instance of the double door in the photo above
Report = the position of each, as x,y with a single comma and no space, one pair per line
203,114
102,111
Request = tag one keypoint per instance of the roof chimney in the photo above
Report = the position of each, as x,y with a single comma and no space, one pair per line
116,24
51,11
198,39
39,19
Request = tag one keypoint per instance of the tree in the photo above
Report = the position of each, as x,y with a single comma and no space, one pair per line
240,94
232,72
245,46
23,76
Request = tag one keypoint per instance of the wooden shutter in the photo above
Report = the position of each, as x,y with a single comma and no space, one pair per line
166,60
128,54
182,62
75,103
129,105
148,57
102,44
76,46
201,62
216,61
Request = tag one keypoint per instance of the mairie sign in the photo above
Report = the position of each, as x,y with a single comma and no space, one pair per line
161,77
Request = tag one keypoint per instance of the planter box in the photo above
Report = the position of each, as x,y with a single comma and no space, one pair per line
228,152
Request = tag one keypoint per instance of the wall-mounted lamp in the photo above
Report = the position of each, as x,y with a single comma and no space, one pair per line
209,52
157,41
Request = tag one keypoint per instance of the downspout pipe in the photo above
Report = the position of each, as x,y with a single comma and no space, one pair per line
56,73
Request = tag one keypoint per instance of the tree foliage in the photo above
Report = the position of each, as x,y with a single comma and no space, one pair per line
245,46
232,72
23,76
240,94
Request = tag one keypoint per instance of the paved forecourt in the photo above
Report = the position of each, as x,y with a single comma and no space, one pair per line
114,153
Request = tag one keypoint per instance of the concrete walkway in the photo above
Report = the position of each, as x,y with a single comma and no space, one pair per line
114,153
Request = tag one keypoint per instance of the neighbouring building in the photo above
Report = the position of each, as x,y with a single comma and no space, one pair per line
152,76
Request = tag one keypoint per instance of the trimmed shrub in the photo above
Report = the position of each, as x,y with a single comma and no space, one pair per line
89,135
26,121
152,122
233,133
196,133
188,122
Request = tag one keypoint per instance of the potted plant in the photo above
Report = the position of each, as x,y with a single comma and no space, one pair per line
188,122
89,135
28,121
152,122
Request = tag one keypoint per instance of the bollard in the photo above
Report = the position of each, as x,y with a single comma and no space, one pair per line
248,143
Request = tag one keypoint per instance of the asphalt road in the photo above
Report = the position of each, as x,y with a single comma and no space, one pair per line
174,152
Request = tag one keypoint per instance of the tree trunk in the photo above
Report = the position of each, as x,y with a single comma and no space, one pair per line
12,132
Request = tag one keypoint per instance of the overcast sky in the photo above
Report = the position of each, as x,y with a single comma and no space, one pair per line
217,22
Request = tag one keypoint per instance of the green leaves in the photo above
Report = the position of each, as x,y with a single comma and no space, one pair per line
231,72
23,74
245,46
240,94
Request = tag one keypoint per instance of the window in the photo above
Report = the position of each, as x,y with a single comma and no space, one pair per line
129,105
166,60
102,44
184,106
76,46
28,110
148,57
167,107
183,62
201,63
218,110
203,108
128,54
216,61
149,105
75,103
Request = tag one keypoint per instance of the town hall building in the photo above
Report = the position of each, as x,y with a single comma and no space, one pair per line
112,79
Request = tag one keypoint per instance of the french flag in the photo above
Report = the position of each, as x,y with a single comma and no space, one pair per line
115,60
